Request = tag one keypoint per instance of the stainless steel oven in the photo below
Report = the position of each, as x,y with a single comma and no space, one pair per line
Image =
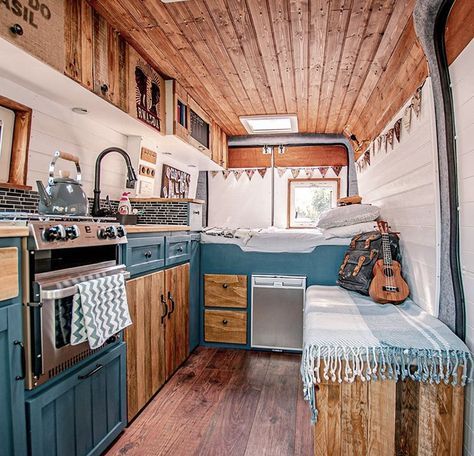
54,268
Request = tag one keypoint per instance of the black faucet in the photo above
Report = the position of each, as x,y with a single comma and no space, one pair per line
131,179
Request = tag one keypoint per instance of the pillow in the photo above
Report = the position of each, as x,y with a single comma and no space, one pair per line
349,231
348,215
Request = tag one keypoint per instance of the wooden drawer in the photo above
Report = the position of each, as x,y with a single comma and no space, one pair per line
178,249
145,254
9,283
222,290
227,326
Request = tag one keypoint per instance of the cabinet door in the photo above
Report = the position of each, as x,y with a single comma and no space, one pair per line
194,290
177,325
83,413
12,416
145,340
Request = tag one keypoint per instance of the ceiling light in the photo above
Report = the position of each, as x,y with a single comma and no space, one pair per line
281,123
166,153
192,166
172,1
78,110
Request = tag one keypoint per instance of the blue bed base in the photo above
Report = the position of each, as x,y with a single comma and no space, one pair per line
320,267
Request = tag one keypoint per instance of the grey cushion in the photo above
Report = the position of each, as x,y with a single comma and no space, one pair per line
348,215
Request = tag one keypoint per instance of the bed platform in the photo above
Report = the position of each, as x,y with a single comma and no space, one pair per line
358,412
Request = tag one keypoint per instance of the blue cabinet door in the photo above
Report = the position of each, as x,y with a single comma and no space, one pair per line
194,295
12,402
83,413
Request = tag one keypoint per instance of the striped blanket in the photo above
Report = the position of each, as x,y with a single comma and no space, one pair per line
348,336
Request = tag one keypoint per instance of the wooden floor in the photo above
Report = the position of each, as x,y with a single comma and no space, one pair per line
225,403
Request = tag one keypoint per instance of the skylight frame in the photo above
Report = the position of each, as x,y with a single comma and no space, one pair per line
247,120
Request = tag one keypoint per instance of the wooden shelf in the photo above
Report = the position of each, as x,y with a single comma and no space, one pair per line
165,200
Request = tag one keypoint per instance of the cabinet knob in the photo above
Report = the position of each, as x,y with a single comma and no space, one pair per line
224,285
104,88
16,29
224,322
179,249
148,254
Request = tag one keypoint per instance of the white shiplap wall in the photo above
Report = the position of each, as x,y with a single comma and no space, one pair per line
403,183
462,70
247,203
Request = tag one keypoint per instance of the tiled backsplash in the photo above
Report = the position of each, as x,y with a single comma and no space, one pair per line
14,200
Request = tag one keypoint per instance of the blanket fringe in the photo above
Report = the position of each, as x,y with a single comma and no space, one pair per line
340,364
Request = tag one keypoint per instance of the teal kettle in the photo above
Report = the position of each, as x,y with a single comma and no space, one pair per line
63,196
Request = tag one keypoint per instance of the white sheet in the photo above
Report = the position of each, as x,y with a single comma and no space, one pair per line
278,240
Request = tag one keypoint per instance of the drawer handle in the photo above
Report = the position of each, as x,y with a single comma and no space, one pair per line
148,254
170,298
91,373
180,249
225,285
224,322
163,301
19,343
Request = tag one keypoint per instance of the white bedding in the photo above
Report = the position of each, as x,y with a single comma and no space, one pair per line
277,240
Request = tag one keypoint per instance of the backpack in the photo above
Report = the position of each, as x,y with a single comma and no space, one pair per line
356,271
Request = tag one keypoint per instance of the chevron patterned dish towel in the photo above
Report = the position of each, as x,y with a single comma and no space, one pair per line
99,310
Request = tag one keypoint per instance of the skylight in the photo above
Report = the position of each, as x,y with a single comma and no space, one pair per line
286,123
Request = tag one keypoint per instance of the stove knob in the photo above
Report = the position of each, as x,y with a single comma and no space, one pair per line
73,232
54,233
121,231
107,233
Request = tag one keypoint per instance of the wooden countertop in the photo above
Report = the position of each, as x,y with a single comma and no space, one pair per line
150,199
13,231
155,228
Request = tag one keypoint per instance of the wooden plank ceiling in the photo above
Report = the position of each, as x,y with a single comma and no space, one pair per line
338,64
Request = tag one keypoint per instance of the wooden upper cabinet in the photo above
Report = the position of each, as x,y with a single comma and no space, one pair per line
219,150
110,63
199,128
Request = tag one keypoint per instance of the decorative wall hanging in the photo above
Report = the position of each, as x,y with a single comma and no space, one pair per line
309,172
323,170
262,172
237,174
397,129
174,183
226,173
148,155
250,173
281,172
416,101
295,172
337,170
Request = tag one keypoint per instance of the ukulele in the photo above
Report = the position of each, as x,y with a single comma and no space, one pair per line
388,285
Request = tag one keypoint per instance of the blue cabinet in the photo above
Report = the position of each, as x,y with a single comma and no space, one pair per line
144,254
194,295
12,405
82,414
178,249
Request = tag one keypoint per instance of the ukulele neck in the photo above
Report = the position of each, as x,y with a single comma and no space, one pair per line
387,251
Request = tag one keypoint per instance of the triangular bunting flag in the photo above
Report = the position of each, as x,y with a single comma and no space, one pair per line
295,172
323,170
309,172
390,137
250,173
281,172
237,174
226,173
214,173
397,129
416,102
337,170
262,172
367,157
379,143
407,118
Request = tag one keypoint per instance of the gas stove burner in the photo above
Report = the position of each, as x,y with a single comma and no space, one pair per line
33,216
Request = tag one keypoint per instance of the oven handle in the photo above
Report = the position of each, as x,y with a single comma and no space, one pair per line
61,293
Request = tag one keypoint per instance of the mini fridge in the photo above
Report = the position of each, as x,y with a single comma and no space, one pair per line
277,312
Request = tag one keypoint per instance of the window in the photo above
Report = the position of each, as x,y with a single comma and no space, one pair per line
7,121
308,198
287,123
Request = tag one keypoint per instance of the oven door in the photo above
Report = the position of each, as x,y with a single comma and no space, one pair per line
48,322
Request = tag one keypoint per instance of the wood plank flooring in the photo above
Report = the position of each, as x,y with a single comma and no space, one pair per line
225,402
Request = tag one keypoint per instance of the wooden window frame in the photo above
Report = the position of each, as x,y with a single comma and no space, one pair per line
18,172
319,179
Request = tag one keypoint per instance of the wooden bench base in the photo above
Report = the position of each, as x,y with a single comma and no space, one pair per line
384,418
